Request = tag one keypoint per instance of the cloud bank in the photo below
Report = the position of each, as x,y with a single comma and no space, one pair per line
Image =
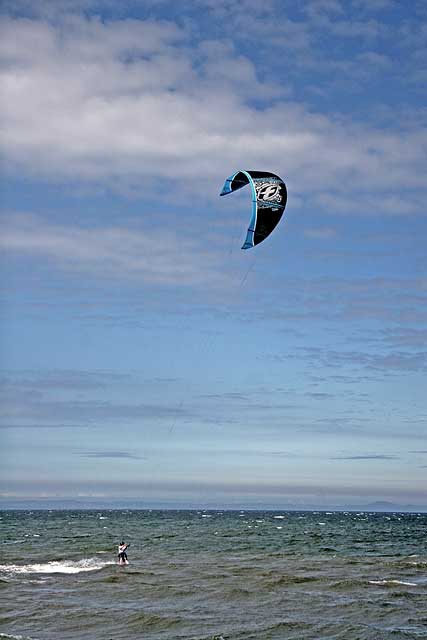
134,102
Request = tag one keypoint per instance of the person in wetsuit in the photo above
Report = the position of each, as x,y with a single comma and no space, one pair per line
122,555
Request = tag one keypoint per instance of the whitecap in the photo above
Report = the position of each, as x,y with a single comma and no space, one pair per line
7,636
56,566
386,582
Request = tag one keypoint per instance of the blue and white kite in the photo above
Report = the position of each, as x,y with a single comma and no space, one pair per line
269,196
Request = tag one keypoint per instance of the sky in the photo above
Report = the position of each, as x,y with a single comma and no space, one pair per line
144,354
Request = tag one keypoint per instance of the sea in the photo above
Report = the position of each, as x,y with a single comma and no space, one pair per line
213,575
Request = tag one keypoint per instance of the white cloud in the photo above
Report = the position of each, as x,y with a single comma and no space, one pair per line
316,8
392,361
404,336
155,256
372,203
130,101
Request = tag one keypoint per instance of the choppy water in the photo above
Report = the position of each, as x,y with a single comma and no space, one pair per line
213,575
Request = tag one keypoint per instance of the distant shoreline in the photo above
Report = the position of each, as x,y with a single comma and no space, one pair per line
34,505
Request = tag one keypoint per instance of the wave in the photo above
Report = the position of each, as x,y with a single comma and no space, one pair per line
421,564
56,566
7,636
393,583
145,620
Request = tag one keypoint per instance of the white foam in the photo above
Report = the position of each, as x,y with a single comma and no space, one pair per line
4,636
61,566
385,582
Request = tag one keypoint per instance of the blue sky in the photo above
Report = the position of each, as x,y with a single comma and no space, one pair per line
144,354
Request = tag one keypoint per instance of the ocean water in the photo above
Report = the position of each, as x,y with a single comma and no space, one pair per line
213,575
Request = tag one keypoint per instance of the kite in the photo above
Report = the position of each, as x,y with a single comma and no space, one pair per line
269,196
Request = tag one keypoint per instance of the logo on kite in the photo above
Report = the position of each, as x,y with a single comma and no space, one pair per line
267,191
269,196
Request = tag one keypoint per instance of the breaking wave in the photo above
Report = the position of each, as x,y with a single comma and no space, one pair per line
55,566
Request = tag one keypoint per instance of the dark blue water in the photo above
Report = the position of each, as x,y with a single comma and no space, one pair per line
213,575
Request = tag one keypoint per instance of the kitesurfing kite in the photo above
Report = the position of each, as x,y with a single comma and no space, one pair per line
269,197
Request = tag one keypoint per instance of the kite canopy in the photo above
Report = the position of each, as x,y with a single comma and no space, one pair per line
269,198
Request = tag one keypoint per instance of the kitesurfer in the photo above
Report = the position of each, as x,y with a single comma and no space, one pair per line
122,555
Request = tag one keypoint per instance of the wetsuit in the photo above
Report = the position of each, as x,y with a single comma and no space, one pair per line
122,555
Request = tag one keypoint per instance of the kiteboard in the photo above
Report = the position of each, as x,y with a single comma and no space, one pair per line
123,563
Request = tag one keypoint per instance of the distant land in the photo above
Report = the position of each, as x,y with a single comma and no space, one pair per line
128,503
